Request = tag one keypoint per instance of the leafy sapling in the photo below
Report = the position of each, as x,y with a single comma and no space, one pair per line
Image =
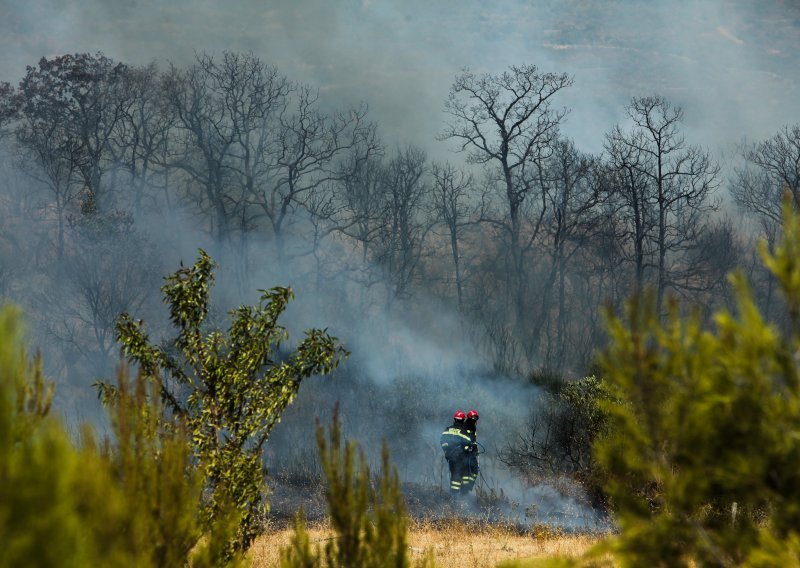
229,388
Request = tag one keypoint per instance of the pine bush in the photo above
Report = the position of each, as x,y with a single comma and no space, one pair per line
369,523
132,501
702,455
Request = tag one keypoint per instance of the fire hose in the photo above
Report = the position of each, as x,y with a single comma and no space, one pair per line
481,451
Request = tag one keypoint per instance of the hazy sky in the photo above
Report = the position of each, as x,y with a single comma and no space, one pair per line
732,64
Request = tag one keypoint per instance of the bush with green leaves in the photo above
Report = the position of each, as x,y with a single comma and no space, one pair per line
132,501
229,388
367,515
703,452
561,432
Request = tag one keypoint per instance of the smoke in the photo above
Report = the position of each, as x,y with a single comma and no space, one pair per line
731,64
412,364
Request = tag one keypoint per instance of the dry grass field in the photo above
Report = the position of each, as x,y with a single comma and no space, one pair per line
466,545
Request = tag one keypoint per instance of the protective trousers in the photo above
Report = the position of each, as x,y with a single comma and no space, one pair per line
463,473
470,474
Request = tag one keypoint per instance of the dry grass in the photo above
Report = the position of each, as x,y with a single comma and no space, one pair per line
461,544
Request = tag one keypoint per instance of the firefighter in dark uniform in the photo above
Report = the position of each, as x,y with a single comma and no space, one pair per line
457,447
471,475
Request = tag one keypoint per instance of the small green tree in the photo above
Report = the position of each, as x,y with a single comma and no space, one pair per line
703,456
369,522
230,389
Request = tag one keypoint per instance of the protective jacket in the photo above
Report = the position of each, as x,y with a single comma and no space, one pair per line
471,470
458,447
455,442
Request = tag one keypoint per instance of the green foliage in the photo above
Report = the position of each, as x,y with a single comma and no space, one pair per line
230,389
300,553
584,402
162,494
562,432
163,489
369,523
703,452
132,503
27,395
35,499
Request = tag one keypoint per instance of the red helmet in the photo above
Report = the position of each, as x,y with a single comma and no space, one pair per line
472,414
459,416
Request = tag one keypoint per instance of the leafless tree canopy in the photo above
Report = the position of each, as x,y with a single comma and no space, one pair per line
524,234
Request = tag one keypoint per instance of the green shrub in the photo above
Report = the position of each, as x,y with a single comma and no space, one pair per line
229,389
131,502
587,422
369,523
561,433
703,456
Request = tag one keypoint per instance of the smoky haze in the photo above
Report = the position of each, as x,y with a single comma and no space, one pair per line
730,63
419,350
410,367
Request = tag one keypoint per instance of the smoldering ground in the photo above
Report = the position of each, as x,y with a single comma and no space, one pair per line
412,363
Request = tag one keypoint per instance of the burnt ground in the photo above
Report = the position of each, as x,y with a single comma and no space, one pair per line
286,499
424,503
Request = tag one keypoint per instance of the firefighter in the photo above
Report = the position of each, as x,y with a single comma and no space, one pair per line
457,447
472,470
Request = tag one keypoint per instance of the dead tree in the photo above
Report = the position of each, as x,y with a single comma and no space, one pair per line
141,140
673,180
772,169
405,223
312,150
572,220
455,206
507,122
770,172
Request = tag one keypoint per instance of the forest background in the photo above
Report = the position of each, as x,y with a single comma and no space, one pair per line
657,148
